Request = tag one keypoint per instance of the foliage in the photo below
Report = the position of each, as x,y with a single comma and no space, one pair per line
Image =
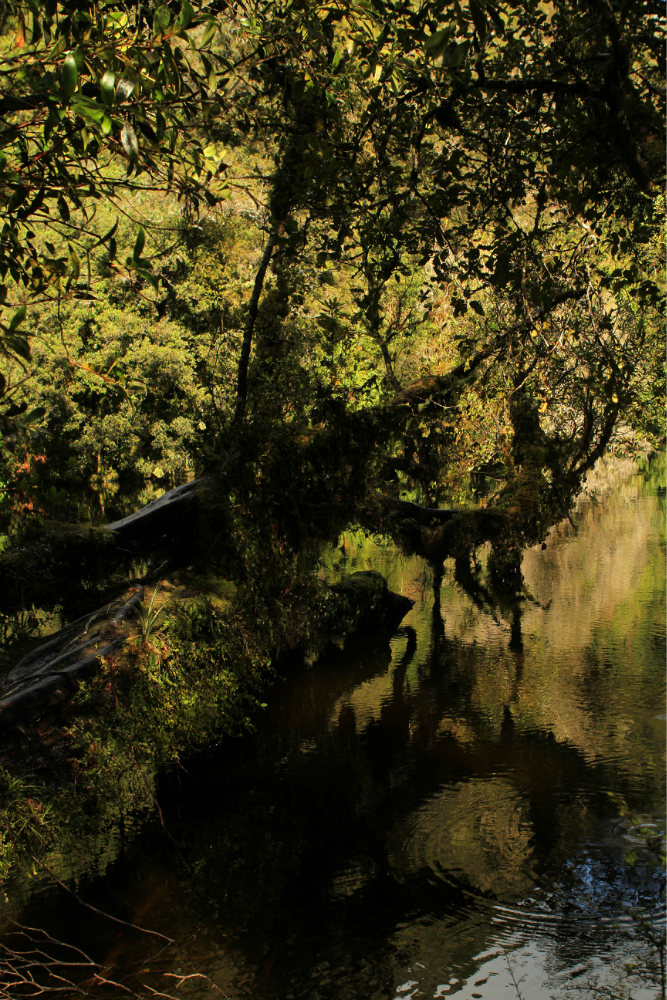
215,657
82,82
473,164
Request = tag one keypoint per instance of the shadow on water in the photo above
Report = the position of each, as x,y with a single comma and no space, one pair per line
427,813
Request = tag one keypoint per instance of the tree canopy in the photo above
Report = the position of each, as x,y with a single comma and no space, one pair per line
493,169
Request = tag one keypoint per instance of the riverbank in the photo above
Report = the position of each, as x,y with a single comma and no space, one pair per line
191,664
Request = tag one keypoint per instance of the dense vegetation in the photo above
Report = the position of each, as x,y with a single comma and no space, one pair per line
432,185
335,257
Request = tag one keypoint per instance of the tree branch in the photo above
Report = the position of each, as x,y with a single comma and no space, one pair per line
242,374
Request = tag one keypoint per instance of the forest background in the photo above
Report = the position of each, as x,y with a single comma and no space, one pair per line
434,186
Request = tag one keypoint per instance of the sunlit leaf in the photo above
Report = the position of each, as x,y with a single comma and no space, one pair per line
128,137
124,90
107,87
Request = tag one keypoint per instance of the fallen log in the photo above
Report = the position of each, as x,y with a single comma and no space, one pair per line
44,692
46,675
159,516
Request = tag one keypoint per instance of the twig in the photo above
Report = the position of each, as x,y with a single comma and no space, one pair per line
18,970
157,993
88,906
38,930
509,966
193,975
112,982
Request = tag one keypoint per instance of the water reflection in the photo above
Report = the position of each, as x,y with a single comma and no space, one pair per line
477,832
427,814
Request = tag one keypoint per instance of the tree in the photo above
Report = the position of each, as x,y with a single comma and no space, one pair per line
518,154
506,161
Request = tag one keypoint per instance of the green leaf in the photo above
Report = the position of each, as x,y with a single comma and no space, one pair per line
456,55
90,109
53,121
58,48
17,319
150,278
107,86
139,244
34,415
70,75
63,208
75,262
19,196
209,33
435,45
110,234
106,125
495,16
19,345
161,19
477,9
186,14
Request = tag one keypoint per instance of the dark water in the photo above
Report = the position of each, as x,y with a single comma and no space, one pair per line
428,813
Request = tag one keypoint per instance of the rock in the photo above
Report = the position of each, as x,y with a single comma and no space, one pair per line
371,599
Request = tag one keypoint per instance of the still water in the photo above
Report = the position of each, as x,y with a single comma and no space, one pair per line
429,813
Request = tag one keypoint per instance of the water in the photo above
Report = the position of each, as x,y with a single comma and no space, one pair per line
432,813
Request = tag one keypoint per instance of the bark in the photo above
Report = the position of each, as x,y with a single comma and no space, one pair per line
244,360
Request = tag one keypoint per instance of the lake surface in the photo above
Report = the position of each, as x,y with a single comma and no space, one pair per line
424,814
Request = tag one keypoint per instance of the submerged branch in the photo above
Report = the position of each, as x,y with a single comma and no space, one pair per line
101,913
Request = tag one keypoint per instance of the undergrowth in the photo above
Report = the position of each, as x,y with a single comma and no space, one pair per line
197,673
